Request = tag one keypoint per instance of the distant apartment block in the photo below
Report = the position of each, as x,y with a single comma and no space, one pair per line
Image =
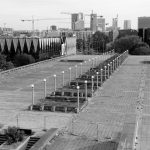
101,24
143,22
53,28
127,24
93,22
115,23
79,25
77,22
7,31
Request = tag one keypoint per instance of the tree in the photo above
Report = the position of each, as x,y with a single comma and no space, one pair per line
99,41
13,135
128,32
4,65
141,51
126,43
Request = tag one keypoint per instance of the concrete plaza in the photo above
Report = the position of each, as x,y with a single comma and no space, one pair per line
109,121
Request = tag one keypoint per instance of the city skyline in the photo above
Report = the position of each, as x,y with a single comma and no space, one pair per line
20,9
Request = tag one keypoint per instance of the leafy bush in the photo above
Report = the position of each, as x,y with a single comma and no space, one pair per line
141,51
13,135
4,65
126,43
23,59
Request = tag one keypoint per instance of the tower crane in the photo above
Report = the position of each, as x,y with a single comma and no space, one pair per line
33,20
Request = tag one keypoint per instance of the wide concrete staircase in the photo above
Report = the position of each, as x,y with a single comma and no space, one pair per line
2,139
31,142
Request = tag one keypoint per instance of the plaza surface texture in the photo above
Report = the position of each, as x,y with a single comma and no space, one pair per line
107,123
16,93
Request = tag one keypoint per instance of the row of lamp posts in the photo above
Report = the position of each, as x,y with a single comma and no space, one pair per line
112,65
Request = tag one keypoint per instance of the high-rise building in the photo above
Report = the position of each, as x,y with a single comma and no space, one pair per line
79,25
101,24
77,22
115,23
53,28
127,24
143,22
93,22
74,19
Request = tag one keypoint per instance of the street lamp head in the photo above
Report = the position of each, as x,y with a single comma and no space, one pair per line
78,87
54,75
44,80
85,81
62,72
69,68
32,85
92,77
101,69
81,64
97,73
76,66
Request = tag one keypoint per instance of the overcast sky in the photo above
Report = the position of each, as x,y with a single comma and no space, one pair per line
12,11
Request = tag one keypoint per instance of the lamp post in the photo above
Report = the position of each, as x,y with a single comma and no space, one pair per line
97,73
85,89
44,88
105,72
62,78
108,71
101,76
92,85
32,86
111,71
116,62
78,109
54,82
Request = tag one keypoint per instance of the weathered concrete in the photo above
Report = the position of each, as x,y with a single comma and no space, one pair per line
114,111
16,93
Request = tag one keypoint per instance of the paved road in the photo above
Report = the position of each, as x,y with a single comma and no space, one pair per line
111,115
15,93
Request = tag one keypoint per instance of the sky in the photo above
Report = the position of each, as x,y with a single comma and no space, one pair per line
13,11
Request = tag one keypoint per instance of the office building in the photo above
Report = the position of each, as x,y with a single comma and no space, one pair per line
53,28
127,24
143,22
79,25
74,19
101,24
115,23
93,22
77,22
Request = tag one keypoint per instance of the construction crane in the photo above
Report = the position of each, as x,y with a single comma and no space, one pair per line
33,20
92,14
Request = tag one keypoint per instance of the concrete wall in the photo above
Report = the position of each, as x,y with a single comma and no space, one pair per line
71,45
